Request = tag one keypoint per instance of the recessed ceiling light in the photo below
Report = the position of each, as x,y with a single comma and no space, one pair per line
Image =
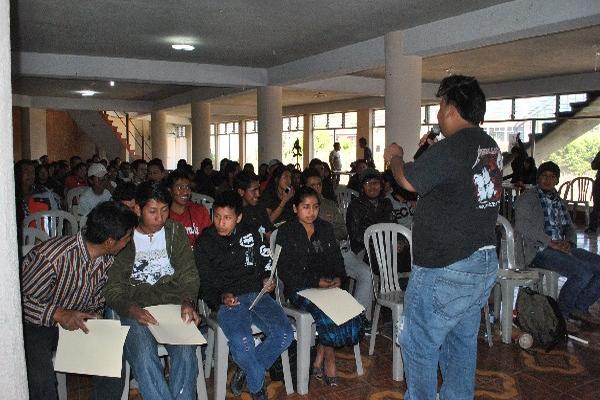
111,83
87,93
184,47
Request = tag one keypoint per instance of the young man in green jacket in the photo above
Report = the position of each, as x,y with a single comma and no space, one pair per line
157,267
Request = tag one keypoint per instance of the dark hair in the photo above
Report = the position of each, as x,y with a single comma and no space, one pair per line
231,168
176,175
124,191
248,167
230,199
157,162
109,219
388,177
362,140
149,190
304,192
549,166
310,173
205,163
74,158
181,163
274,180
123,165
464,93
243,180
136,163
313,163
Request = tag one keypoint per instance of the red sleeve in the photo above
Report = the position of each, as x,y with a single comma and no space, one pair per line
201,216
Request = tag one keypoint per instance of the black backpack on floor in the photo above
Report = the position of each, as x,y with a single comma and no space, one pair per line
539,316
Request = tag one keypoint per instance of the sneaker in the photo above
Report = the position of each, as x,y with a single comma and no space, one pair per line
237,381
260,395
585,316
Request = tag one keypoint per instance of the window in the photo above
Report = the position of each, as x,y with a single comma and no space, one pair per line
213,147
498,110
566,100
535,107
293,129
335,127
228,142
251,143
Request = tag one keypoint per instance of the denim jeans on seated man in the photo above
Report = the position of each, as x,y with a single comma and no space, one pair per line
236,323
442,313
582,270
141,351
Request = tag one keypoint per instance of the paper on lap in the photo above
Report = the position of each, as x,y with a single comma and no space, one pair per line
336,303
273,268
98,352
171,329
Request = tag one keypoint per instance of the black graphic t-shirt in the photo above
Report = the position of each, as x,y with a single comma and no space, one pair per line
459,181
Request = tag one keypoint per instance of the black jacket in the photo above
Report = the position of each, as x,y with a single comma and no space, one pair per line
303,262
362,213
230,264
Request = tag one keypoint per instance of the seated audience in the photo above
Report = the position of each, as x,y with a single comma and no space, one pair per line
156,267
139,170
403,201
77,178
354,181
248,167
311,258
124,172
204,180
329,211
232,168
125,194
276,198
156,170
328,190
97,192
25,189
194,217
234,265
52,297
545,237
529,175
254,216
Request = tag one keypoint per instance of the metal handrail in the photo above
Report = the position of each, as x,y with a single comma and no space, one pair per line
138,137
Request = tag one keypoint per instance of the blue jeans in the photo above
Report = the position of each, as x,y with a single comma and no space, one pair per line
142,354
442,312
236,323
582,270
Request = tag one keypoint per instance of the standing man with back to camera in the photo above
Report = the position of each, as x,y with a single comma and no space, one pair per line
459,181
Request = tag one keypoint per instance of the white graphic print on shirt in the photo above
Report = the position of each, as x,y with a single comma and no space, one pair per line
151,258
487,177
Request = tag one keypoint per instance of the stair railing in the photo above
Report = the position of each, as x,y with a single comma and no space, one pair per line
138,137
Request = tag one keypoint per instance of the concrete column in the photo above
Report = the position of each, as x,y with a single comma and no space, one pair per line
242,142
307,140
402,95
188,141
364,129
158,132
33,134
200,132
269,123
13,378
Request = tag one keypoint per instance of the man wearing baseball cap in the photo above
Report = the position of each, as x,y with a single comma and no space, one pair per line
97,192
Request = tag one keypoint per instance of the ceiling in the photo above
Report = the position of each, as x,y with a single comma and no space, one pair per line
235,32
562,53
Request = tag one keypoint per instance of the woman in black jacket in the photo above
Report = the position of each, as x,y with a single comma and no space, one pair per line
311,258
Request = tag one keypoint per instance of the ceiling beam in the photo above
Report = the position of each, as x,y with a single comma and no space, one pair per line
133,70
501,23
69,103
195,95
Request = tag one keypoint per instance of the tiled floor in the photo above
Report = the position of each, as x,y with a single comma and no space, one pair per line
571,371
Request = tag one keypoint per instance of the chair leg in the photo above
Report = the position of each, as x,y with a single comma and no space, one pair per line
397,365
125,394
497,299
358,359
221,363
61,379
488,324
303,342
210,348
374,329
508,293
201,392
287,375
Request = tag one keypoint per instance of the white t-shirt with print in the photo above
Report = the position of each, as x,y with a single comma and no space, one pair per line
151,257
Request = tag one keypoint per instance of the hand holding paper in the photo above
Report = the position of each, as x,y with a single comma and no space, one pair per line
265,288
72,319
171,329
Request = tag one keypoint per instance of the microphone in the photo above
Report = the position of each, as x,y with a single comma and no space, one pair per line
432,134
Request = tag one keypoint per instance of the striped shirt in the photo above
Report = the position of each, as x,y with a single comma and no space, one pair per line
59,273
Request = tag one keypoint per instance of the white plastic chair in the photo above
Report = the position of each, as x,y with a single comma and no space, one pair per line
579,194
52,222
306,332
385,242
61,380
82,221
73,194
510,276
205,200
51,197
344,197
31,237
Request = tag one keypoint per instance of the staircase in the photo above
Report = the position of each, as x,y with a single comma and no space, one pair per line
131,139
101,134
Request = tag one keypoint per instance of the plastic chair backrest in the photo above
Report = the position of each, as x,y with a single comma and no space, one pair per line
72,194
52,222
82,221
563,190
31,237
385,243
509,237
53,199
205,200
580,189
344,197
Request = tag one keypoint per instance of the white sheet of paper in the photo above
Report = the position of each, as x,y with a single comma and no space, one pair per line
171,329
336,303
262,292
98,352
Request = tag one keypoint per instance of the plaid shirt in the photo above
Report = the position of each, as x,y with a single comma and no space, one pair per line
556,216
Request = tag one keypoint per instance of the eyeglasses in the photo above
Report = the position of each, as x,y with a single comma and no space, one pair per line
182,187
548,176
